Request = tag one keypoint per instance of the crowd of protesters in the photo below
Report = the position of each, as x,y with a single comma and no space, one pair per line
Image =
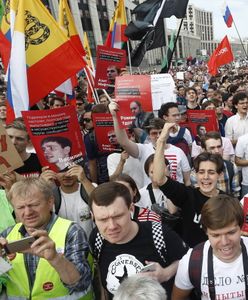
136,213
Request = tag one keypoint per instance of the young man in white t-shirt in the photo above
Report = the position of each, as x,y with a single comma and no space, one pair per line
224,252
71,196
179,165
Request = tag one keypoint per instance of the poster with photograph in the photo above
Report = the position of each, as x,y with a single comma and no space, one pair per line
9,157
56,137
107,60
105,134
128,90
201,120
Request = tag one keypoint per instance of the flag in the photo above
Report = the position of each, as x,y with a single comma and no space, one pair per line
1,10
148,42
66,22
6,30
146,15
88,56
169,53
149,24
41,58
221,56
227,16
116,35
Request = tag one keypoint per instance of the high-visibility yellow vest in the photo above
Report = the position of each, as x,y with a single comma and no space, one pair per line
47,284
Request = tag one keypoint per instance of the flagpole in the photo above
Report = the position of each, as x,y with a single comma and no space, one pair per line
175,43
129,58
240,38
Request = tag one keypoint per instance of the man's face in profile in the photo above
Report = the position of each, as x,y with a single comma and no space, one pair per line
112,138
53,151
111,73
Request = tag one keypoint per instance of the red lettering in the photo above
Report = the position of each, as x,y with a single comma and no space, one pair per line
4,146
3,161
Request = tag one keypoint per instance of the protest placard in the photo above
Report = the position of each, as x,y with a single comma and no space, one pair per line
201,118
107,60
9,157
131,88
56,136
105,134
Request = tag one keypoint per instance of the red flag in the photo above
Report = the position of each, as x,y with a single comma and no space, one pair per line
221,56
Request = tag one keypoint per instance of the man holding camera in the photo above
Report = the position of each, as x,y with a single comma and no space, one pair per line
55,265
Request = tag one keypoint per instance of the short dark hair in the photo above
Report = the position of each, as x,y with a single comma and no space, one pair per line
128,179
106,193
198,128
62,141
220,211
137,102
155,123
238,97
214,158
150,160
51,102
210,135
191,89
164,109
207,103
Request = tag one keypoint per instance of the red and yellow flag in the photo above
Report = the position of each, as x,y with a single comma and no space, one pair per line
42,57
66,22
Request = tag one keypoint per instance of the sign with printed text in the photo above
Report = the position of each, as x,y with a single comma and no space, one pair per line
105,134
56,136
9,157
130,88
107,58
205,120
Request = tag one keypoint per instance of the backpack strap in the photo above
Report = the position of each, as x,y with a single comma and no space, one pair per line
195,266
158,239
230,170
179,137
151,194
98,245
84,195
57,197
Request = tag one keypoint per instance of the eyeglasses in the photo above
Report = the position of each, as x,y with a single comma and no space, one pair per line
112,136
133,108
86,120
155,133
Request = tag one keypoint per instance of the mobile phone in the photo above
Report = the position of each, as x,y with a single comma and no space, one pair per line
148,268
20,245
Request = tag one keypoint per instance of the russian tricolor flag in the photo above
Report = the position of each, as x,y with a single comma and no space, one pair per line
227,16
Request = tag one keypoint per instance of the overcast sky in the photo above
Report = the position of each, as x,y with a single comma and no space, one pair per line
239,10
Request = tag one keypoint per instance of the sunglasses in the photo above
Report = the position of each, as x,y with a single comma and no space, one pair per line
79,104
133,108
86,120
112,136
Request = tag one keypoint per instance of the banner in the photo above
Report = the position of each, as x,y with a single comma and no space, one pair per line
130,88
200,120
105,134
9,157
56,137
107,57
